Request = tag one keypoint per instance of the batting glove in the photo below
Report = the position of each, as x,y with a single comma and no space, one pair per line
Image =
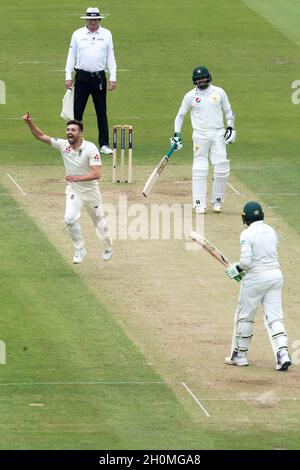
177,141
235,272
230,135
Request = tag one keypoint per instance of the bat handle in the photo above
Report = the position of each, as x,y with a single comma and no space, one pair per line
169,153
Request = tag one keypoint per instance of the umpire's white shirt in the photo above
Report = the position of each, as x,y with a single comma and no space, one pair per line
259,251
78,163
205,108
91,52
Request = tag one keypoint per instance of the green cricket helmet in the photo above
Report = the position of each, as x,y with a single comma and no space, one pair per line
252,212
201,76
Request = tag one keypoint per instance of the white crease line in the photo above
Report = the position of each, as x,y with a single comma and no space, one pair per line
233,189
107,382
258,398
196,399
63,70
100,382
18,186
278,194
35,62
127,117
11,118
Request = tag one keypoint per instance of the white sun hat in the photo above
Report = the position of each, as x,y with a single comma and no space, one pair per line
92,14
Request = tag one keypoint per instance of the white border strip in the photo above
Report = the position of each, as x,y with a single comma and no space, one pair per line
18,186
195,398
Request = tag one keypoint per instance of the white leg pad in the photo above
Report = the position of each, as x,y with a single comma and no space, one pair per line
278,335
221,174
199,178
244,333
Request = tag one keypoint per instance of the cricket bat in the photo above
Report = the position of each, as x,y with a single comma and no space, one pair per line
217,254
210,248
157,171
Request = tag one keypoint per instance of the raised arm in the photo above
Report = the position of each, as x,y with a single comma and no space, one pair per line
36,132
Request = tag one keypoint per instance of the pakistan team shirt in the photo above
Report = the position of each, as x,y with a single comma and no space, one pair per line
205,108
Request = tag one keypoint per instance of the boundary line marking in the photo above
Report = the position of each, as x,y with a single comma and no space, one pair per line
18,186
195,398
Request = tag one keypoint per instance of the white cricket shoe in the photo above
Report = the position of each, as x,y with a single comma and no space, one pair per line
106,149
200,210
79,255
217,207
236,360
106,255
284,361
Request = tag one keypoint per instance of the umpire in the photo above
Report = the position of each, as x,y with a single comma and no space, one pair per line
91,52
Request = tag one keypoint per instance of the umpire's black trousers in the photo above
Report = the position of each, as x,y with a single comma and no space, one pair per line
86,84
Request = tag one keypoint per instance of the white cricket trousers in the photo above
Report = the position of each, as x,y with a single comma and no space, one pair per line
265,289
93,204
209,146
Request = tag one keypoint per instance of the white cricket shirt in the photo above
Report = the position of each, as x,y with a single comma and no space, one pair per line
259,248
78,162
91,52
205,108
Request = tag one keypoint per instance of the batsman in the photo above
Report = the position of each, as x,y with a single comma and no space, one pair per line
207,103
261,283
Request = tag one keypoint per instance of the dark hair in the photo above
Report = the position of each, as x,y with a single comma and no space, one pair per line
77,123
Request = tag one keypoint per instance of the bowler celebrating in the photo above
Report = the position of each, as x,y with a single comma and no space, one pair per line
83,168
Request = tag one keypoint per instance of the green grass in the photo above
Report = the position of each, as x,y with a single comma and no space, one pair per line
283,14
55,330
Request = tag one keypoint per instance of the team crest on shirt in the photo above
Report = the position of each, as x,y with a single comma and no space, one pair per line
68,149
215,98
